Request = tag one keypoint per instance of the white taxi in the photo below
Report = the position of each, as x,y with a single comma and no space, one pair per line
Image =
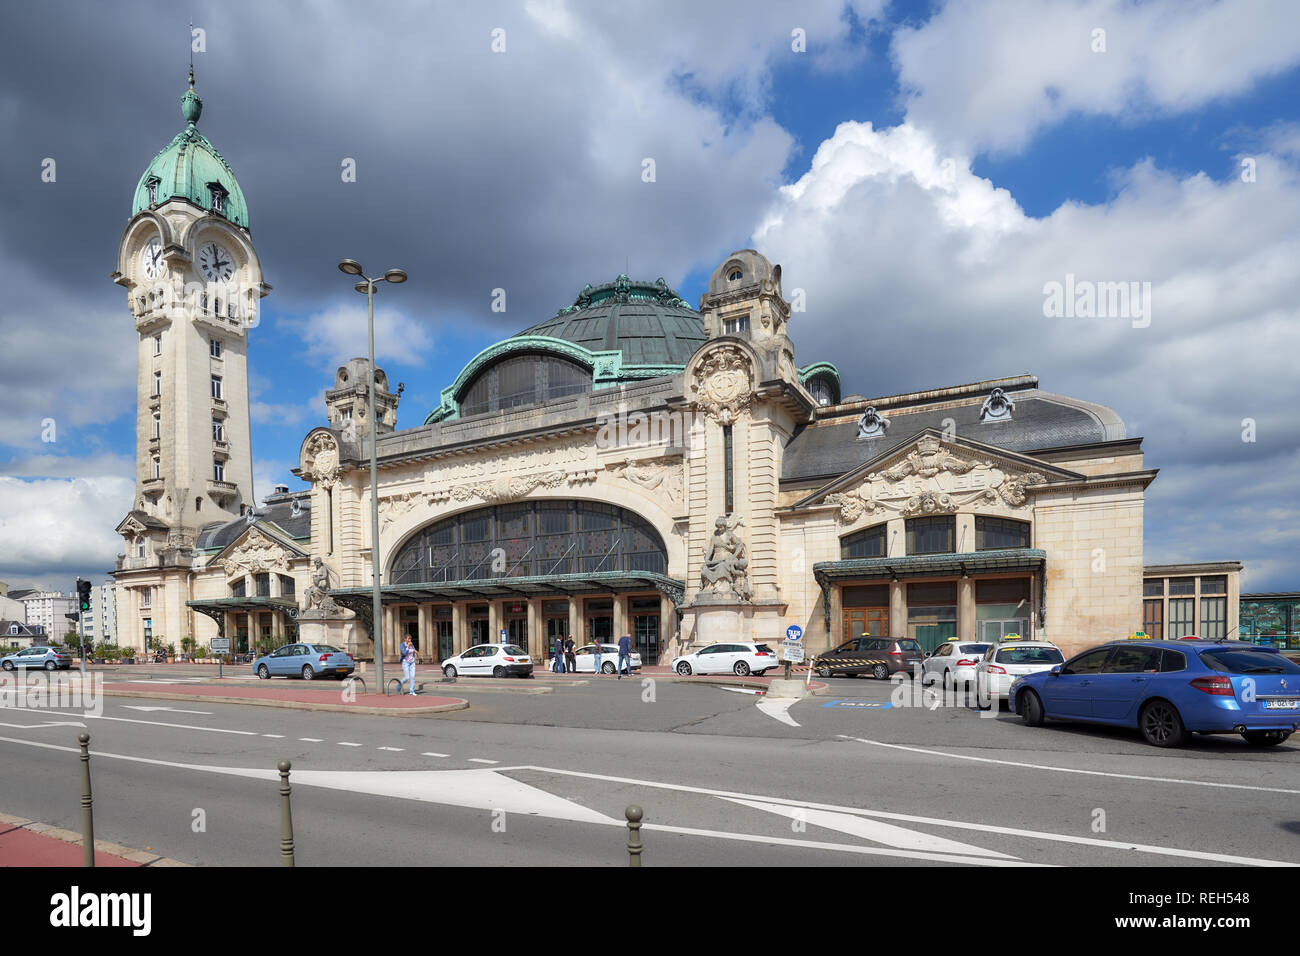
489,660
1010,658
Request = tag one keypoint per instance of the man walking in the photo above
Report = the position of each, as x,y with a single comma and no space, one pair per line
624,655
570,659
408,664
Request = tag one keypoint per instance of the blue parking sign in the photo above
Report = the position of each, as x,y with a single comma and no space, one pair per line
793,633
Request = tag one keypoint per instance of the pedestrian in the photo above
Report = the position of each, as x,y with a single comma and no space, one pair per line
624,655
558,664
570,659
596,651
408,664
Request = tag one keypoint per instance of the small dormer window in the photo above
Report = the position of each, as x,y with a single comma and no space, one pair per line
736,326
152,187
218,196
735,275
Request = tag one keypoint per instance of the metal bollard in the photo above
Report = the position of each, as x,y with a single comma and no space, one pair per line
87,808
633,814
286,817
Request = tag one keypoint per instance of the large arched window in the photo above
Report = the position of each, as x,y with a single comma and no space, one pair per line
868,543
523,380
533,538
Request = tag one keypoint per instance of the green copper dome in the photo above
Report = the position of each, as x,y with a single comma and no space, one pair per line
190,168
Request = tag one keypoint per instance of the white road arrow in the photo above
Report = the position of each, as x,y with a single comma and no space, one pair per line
778,707
173,710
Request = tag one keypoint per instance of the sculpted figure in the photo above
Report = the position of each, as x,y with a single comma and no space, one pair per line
725,560
317,596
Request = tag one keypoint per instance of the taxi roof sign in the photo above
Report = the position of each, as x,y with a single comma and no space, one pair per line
1006,638
1139,636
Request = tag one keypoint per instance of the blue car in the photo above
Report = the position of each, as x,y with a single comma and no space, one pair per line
305,661
1169,690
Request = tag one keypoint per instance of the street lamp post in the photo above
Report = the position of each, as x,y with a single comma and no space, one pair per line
367,287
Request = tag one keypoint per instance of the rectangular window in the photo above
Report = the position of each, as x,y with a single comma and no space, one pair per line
214,348
237,588
157,467
995,533
1214,585
1214,618
1182,585
1153,618
157,426
1153,588
869,543
1002,591
930,535
216,386
1181,618
157,383
736,326
146,597
218,430
262,582
157,345
728,474
218,471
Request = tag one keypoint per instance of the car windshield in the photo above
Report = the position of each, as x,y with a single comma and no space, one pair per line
514,649
1232,661
1029,655
909,646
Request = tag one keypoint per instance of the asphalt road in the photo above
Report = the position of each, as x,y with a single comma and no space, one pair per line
543,778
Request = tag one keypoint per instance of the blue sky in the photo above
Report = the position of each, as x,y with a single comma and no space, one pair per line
519,172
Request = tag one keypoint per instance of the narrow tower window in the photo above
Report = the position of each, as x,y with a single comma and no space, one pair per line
728,472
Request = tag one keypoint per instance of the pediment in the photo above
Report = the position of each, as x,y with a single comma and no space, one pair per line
256,550
933,474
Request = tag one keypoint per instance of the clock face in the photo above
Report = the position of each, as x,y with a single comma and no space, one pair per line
216,264
151,259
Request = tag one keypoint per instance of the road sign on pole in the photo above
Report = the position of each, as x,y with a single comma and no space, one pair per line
794,633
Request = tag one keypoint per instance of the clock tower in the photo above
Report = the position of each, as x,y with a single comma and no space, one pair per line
193,286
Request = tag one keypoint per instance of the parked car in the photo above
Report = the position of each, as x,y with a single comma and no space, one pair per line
738,659
952,663
1005,661
585,659
489,660
305,661
47,658
880,657
1169,690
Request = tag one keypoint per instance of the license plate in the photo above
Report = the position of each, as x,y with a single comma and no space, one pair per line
1282,703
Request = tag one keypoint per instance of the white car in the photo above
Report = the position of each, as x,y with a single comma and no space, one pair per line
952,663
1006,661
585,658
489,660
738,659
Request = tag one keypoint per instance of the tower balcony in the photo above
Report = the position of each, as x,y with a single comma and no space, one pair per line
219,408
222,492
152,488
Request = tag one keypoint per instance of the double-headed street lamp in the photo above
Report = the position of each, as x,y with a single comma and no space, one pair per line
367,287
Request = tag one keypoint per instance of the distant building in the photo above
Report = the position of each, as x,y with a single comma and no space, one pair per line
1182,600
1272,618
10,607
19,634
47,608
100,624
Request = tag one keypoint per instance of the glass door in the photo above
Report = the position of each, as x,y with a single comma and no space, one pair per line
444,634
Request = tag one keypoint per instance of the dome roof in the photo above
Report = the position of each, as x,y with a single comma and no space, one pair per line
188,167
647,321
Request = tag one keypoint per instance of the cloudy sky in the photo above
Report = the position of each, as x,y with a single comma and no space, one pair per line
921,170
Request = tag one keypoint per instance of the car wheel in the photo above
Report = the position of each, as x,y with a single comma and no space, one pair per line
949,679
1161,724
498,671
307,672
264,672
607,668
741,669
1031,709
9,665
449,671
1265,738
880,672
684,669
823,670
50,665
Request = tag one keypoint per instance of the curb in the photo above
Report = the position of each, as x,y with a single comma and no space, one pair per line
461,704
143,857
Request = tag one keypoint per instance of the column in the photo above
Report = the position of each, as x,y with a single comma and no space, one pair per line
575,621
965,529
390,629
424,643
667,622
459,639
966,609
620,616
896,537
897,609
536,632
494,621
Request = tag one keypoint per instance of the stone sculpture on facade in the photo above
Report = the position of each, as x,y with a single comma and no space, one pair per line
725,561
723,383
317,595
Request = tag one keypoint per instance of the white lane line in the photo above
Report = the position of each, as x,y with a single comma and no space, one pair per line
396,750
911,818
1088,773
429,754
739,690
150,723
174,710
275,736
311,740
481,760
344,743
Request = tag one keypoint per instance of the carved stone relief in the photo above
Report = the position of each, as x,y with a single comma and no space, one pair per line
722,384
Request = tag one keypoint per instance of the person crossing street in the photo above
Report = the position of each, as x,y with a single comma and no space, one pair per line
624,655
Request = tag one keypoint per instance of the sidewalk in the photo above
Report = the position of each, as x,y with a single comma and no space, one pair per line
295,695
27,843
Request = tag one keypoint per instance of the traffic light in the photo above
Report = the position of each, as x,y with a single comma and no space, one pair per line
83,595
